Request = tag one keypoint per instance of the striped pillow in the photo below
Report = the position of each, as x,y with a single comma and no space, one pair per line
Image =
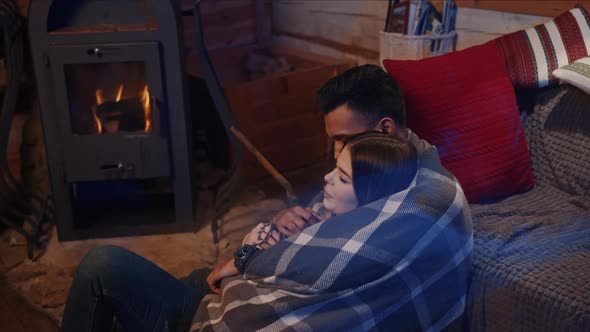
576,74
531,55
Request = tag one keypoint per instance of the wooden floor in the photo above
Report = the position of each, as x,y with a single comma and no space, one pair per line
17,315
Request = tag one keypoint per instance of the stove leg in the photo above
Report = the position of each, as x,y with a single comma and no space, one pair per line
215,230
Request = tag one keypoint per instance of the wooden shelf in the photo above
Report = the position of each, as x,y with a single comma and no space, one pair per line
550,8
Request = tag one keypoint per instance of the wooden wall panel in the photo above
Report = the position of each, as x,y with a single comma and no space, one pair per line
476,26
225,23
549,8
231,30
350,28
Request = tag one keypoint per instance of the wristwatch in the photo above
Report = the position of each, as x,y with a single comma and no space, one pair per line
243,255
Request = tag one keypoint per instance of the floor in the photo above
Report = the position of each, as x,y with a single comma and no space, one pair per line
33,294
19,315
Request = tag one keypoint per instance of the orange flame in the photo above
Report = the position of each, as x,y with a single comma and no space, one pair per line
145,101
99,101
99,97
119,93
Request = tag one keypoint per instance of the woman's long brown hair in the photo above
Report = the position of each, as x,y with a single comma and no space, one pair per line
381,165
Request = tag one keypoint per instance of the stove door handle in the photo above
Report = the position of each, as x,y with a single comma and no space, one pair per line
120,166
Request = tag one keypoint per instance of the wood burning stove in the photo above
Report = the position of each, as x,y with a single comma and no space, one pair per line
110,82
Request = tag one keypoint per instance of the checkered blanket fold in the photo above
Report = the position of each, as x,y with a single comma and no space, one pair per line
399,263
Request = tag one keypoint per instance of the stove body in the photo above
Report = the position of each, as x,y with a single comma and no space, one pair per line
111,87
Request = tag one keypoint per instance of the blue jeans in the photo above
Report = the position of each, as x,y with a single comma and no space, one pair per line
114,282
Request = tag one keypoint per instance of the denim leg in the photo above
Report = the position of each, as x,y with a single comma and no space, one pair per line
113,281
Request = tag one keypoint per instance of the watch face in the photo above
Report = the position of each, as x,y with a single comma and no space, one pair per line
242,252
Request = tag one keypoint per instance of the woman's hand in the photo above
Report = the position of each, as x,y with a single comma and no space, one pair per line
264,235
293,220
223,270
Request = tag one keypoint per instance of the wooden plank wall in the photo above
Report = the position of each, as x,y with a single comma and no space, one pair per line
476,26
231,30
230,23
350,28
548,8
332,27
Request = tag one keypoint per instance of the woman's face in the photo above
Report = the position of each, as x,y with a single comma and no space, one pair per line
339,196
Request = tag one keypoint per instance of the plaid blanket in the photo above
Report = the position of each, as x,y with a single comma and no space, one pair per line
399,263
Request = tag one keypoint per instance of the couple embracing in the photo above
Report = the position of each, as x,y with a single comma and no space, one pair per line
385,246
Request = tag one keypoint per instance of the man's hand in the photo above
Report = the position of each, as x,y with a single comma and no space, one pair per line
223,270
293,220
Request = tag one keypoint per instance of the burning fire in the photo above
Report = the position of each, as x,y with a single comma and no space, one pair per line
144,97
99,101
119,93
145,102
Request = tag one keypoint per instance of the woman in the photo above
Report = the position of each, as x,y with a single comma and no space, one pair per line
114,282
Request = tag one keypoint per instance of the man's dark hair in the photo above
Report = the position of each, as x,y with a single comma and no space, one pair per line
366,89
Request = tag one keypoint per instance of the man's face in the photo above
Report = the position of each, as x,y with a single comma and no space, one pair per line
341,124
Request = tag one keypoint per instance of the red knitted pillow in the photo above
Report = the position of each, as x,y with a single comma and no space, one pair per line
531,55
464,104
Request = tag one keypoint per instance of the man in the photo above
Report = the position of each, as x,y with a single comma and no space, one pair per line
362,99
